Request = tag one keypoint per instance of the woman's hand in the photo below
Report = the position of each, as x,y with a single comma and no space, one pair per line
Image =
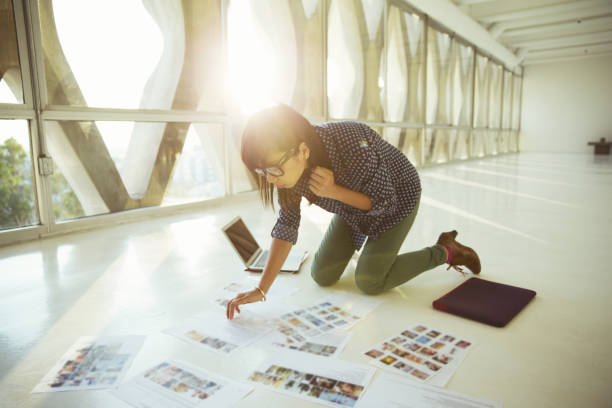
322,182
241,299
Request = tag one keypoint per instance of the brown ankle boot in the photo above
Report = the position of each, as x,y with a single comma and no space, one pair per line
460,254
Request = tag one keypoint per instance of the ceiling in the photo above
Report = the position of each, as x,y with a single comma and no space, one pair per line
543,31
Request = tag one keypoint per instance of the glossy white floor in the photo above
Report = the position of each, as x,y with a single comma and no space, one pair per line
540,221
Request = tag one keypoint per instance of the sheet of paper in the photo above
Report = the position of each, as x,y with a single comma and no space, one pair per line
325,345
394,392
334,312
356,305
92,363
272,307
443,376
178,384
422,353
278,291
328,381
215,332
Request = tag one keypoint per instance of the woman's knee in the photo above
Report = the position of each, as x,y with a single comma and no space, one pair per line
368,284
324,275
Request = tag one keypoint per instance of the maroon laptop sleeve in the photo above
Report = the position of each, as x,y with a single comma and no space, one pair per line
484,301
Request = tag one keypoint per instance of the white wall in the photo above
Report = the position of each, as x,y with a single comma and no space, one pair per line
566,104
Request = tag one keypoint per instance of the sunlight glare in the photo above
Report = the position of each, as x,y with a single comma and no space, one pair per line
253,75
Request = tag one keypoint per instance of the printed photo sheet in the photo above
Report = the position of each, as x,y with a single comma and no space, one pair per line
92,363
178,384
272,307
327,381
392,391
338,311
357,305
215,332
325,345
420,352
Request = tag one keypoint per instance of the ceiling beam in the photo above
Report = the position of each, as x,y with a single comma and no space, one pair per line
470,2
508,27
570,40
449,15
580,23
569,51
541,11
570,58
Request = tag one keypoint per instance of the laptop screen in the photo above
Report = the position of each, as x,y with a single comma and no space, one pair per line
242,239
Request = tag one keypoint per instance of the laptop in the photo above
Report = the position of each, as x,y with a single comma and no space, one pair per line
251,254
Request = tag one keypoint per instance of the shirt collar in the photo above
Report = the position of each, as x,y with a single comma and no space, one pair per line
301,187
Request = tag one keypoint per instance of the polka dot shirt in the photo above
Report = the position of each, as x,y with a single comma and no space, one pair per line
361,161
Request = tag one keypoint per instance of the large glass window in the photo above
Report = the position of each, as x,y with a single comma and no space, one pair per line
133,54
462,85
355,40
201,67
104,167
11,89
440,63
481,92
405,76
17,202
516,102
436,145
495,95
507,100
460,145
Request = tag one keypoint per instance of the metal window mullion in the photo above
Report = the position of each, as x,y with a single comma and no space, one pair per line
29,72
227,125
451,74
13,236
227,169
425,62
502,106
520,109
37,53
511,97
14,111
131,115
409,125
385,55
473,102
325,20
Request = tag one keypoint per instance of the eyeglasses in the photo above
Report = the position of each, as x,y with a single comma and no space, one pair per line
276,169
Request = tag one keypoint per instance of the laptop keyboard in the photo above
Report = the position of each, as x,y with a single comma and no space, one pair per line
261,262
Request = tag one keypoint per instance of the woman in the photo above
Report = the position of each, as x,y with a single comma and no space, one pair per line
348,169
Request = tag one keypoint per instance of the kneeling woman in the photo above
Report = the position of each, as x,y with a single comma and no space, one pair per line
345,168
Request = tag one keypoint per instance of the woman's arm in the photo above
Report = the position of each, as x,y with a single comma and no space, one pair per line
322,183
352,198
279,250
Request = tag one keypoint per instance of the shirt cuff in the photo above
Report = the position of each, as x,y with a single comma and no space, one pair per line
379,207
285,232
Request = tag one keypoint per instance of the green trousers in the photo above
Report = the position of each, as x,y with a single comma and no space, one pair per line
379,267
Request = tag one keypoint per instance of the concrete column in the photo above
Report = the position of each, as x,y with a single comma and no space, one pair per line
9,53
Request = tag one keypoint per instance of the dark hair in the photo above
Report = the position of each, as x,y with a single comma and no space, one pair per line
279,128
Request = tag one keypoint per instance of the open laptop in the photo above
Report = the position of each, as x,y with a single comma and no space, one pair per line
253,257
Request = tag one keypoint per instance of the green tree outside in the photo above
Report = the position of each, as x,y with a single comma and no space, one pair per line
16,190
66,204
